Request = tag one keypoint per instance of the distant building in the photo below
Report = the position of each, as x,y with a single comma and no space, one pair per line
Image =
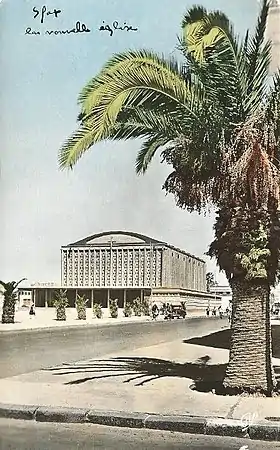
224,293
125,265
24,297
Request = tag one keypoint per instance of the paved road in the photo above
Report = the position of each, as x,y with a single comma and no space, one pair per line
25,435
26,351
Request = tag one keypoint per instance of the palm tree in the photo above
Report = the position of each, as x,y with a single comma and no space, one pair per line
81,307
10,298
215,119
60,303
210,280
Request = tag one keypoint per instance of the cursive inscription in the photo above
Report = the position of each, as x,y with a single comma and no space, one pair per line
78,28
42,12
115,26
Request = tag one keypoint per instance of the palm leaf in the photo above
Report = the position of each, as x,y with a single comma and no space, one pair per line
254,50
201,31
16,285
215,55
126,74
148,151
129,82
72,150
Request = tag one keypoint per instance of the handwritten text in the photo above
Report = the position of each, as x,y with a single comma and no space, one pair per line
43,11
115,26
78,28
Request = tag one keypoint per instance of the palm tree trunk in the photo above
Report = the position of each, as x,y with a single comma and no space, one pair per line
250,359
8,313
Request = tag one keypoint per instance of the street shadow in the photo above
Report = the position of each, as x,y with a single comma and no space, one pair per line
206,377
221,339
141,371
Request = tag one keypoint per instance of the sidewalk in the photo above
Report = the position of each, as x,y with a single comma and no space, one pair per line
46,318
148,387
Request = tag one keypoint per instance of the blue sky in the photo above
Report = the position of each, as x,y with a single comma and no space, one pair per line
43,208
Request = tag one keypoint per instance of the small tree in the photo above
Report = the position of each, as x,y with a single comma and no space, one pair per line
113,306
81,306
210,280
97,310
145,307
10,298
127,311
60,302
137,306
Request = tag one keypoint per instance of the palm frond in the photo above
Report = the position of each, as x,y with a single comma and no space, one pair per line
148,151
131,83
272,117
254,48
125,74
272,99
214,53
193,14
201,31
132,123
20,281
75,146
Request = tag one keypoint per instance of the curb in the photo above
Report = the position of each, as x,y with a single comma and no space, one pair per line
265,431
81,325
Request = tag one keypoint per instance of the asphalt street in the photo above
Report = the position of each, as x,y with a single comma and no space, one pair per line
27,351
29,435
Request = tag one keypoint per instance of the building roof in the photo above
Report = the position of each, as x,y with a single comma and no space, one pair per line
123,238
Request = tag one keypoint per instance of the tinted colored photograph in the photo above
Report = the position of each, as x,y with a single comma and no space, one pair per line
140,225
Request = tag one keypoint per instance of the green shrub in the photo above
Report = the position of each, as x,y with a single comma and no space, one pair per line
60,302
127,311
114,310
97,310
81,307
137,306
145,307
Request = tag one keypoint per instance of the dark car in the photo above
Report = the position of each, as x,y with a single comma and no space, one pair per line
178,311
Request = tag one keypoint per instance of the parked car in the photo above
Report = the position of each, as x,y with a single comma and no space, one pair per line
178,311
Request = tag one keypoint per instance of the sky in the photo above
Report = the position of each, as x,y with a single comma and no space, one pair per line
42,207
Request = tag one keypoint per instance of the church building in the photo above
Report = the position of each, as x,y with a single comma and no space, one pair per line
125,265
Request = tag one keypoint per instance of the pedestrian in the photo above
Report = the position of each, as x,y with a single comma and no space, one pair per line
32,310
168,312
207,311
184,309
220,312
155,311
214,311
